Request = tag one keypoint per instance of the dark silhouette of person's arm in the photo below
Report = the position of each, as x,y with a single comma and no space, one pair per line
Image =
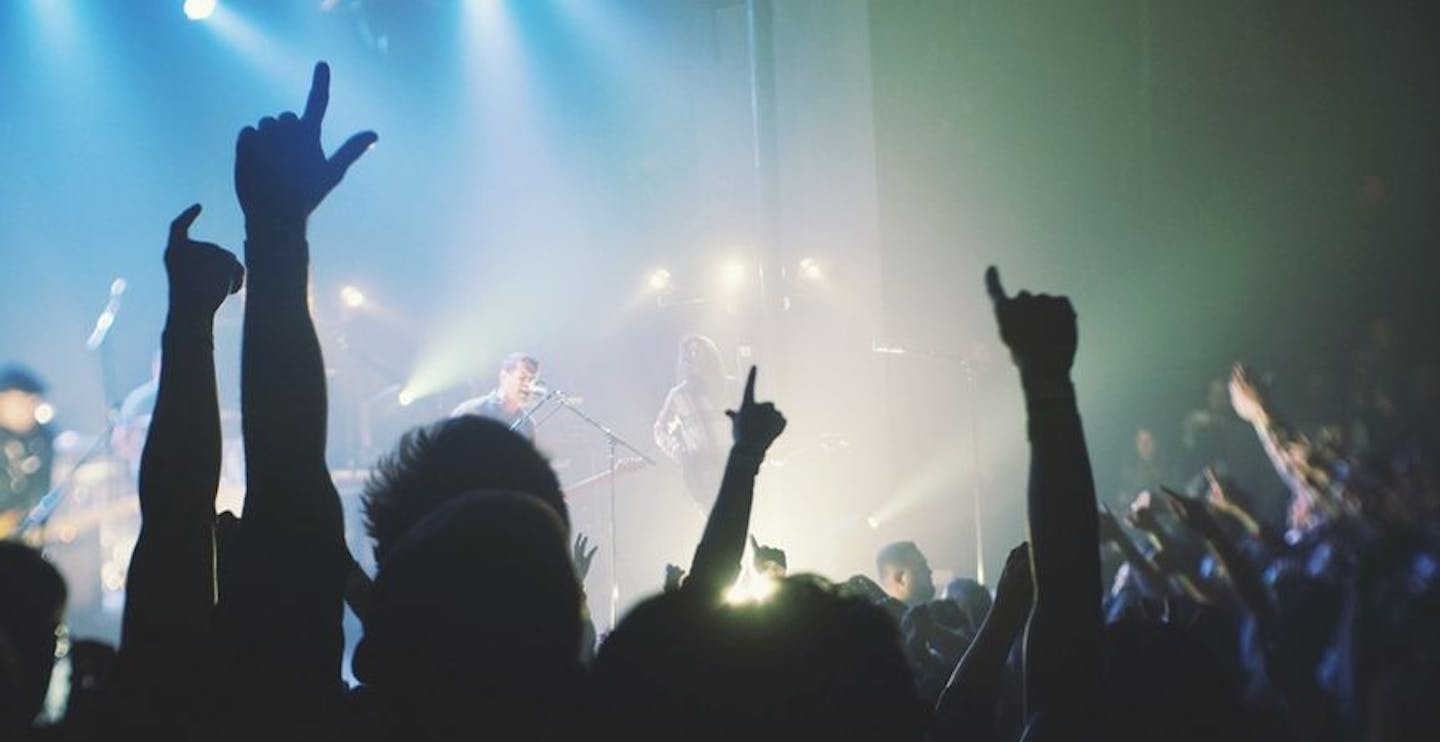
717,559
1148,575
582,553
1064,635
170,587
292,567
1247,582
1169,559
966,709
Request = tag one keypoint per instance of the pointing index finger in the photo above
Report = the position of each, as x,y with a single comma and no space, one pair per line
319,98
992,285
749,398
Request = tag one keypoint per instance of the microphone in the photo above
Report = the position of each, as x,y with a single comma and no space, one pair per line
106,320
541,391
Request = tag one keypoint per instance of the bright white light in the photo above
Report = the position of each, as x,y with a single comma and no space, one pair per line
659,280
406,397
199,10
751,589
810,269
732,275
44,413
873,522
352,297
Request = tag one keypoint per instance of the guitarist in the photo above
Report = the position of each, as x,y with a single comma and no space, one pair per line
692,428
27,451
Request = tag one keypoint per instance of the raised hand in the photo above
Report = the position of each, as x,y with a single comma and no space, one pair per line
1064,637
1215,491
1016,583
966,708
767,560
1142,513
201,274
281,172
1246,398
1192,512
582,554
755,425
674,576
1039,330
1218,498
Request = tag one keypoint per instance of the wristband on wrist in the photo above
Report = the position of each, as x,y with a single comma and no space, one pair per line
1047,387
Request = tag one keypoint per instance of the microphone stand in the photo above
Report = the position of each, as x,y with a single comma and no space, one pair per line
613,443
530,413
967,370
38,517
967,373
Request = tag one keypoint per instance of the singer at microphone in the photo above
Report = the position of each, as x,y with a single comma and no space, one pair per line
516,390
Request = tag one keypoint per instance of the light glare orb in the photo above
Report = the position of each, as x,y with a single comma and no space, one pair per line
733,274
199,10
810,269
352,297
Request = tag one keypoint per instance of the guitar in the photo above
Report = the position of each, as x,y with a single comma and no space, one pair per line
623,466
9,521
67,527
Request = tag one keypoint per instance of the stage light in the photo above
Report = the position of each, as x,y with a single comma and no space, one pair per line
352,297
810,269
732,275
873,522
406,397
659,280
44,413
199,10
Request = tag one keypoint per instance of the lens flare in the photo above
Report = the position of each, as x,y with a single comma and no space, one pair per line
199,10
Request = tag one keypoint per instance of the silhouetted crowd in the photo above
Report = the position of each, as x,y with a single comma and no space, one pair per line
1313,614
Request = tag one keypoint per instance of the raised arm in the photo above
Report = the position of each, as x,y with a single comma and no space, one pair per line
1307,472
1147,572
170,589
1244,578
292,562
966,709
1063,639
717,557
281,175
